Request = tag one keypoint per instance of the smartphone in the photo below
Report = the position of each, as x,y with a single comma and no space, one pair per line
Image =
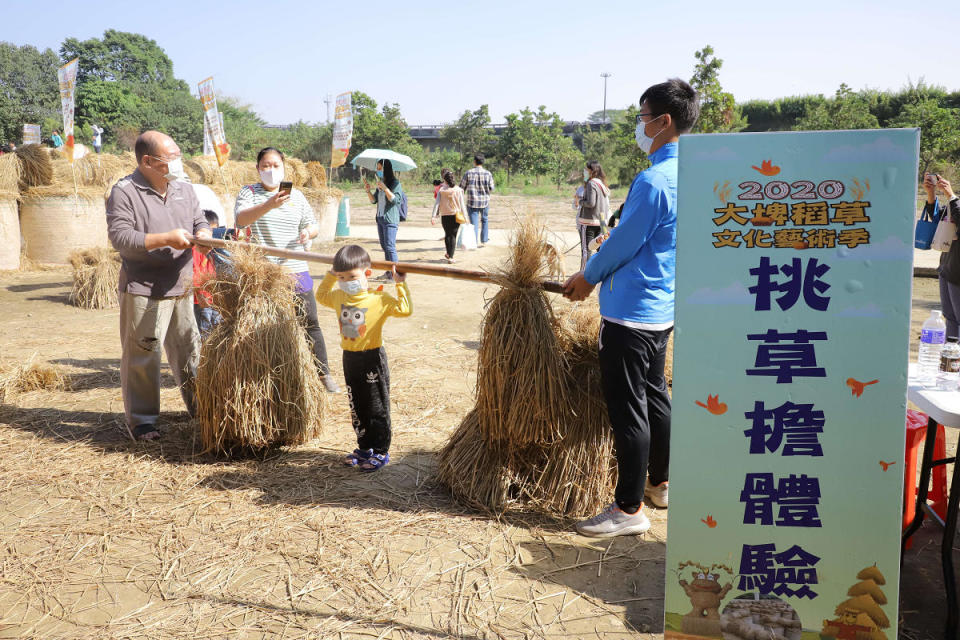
285,188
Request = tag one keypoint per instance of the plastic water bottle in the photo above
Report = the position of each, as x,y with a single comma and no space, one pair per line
949,378
932,336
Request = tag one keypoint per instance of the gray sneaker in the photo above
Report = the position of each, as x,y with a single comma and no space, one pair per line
657,494
614,522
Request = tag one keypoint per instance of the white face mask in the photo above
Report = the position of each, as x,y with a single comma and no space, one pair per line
352,287
644,141
174,170
271,178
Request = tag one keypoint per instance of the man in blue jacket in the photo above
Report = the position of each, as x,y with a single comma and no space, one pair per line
635,269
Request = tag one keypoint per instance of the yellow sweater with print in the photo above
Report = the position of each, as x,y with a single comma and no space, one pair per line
361,316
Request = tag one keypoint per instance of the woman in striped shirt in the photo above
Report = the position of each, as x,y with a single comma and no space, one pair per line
285,220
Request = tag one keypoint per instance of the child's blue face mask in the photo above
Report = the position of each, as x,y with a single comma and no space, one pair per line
380,173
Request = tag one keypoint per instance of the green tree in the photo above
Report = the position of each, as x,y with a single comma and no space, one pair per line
308,141
718,110
515,142
121,57
612,116
846,110
939,130
28,89
470,134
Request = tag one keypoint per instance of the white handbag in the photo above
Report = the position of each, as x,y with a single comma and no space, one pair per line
946,233
468,237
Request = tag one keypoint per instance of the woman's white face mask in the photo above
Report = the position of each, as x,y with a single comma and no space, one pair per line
271,177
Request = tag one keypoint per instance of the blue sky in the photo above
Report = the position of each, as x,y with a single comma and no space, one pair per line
436,59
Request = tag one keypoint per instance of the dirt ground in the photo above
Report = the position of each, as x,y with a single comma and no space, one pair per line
101,537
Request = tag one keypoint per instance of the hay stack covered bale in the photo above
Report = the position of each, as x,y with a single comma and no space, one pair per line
9,211
96,273
204,170
54,222
326,207
257,383
539,437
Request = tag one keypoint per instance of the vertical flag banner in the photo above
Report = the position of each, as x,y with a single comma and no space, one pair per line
212,121
207,139
31,134
67,78
794,271
342,130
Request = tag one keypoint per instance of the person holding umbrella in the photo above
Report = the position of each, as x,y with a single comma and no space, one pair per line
389,198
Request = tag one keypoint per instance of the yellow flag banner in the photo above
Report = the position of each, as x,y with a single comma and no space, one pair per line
67,77
31,134
212,122
342,130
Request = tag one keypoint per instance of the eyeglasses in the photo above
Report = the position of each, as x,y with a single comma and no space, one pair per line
640,115
166,160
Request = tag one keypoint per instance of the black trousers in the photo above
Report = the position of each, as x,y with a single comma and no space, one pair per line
631,369
587,233
307,314
450,227
367,375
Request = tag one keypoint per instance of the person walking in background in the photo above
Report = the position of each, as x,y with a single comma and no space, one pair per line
97,138
594,207
477,183
56,140
285,220
636,265
388,198
149,214
949,270
450,207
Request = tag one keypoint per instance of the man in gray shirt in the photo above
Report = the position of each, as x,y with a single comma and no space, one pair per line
149,214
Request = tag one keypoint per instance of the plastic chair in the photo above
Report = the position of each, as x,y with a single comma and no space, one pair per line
937,496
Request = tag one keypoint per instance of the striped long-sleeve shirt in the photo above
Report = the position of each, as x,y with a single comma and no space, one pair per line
279,228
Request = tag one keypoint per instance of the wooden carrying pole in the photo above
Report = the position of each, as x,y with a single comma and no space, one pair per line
402,267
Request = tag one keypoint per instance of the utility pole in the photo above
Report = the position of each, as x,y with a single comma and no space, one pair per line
605,75
328,100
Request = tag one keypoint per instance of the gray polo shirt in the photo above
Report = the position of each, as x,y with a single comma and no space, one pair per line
134,209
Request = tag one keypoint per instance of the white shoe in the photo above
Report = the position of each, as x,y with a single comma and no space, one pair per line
657,494
614,522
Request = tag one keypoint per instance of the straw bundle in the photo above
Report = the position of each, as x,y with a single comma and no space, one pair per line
205,170
318,175
9,173
257,383
35,166
539,437
296,172
96,272
28,376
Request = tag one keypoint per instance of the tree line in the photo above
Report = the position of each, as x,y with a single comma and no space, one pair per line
126,84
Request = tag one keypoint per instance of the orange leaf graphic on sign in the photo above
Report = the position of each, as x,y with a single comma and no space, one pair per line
710,522
857,387
714,405
767,168
886,465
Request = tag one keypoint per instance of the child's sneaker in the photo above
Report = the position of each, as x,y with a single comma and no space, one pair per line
375,461
657,494
613,521
356,457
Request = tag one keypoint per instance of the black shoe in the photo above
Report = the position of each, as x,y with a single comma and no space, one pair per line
330,384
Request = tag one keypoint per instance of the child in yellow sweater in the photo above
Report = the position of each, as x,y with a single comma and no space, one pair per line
361,313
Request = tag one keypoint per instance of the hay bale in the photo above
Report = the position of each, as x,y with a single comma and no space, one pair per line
36,168
53,222
9,228
257,382
205,170
29,376
96,273
539,437
318,175
99,170
326,208
9,172
296,172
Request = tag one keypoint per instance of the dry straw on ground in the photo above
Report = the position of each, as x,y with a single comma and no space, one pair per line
28,376
539,437
96,272
257,384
